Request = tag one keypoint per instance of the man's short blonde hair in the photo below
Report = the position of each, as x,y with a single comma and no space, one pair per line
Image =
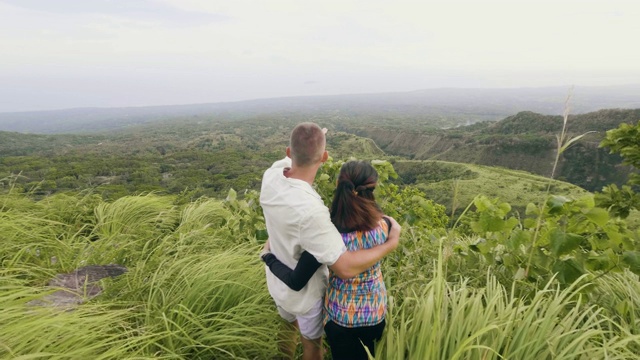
307,144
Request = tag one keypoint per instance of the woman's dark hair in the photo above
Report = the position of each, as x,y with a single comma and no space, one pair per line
354,207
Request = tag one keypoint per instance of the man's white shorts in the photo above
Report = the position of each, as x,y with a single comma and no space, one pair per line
310,323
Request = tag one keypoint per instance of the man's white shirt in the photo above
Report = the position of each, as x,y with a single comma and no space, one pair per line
297,220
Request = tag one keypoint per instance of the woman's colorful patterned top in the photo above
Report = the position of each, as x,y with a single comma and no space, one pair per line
361,300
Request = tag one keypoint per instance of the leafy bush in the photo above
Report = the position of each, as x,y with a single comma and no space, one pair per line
625,140
563,239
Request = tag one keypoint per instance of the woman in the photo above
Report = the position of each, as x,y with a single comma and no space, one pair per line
354,309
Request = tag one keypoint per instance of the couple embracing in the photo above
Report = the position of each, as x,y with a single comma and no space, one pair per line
324,266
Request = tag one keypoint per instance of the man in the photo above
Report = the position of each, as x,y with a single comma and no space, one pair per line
297,220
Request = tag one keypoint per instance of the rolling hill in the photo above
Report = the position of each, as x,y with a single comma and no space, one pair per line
525,141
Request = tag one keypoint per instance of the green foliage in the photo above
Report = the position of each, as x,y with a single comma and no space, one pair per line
619,201
202,305
326,178
456,321
625,140
615,294
410,206
208,159
190,291
573,238
246,215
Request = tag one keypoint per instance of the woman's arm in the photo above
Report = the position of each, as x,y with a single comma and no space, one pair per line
352,263
297,278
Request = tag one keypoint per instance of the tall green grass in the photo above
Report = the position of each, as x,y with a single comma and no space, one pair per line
195,289
91,331
202,306
192,291
456,321
618,295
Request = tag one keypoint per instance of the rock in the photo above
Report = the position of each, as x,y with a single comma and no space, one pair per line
79,285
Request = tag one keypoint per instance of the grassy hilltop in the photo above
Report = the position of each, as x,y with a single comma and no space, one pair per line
442,181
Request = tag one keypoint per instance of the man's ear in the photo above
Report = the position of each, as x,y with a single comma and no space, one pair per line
288,151
325,156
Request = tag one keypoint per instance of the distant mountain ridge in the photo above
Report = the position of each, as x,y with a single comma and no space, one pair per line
437,108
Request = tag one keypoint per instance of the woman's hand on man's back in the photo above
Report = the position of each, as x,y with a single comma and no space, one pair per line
393,239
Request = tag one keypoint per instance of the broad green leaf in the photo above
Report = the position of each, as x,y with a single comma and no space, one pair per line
563,243
482,203
480,245
556,202
530,223
518,238
489,223
504,208
587,201
627,243
568,271
477,227
532,209
510,223
598,216
541,259
598,263
614,235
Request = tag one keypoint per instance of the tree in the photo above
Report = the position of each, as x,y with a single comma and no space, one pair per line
624,140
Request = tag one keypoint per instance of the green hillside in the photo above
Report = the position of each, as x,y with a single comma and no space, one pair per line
525,141
443,181
201,157
210,157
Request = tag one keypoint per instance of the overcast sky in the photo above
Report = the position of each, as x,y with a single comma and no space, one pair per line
78,53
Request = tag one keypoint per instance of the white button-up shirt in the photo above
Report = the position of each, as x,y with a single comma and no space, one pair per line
297,220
